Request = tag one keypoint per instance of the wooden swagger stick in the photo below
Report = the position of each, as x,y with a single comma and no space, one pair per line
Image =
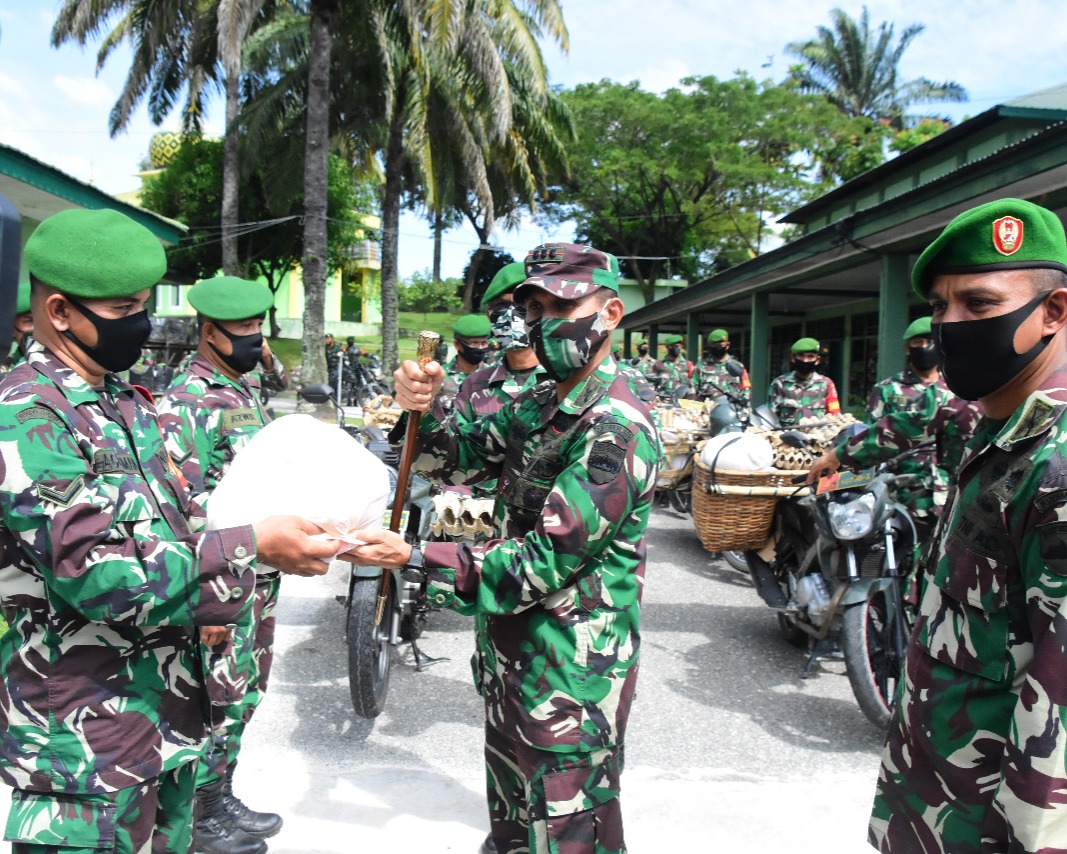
426,350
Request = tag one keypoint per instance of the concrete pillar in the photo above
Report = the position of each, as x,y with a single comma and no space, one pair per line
894,290
759,349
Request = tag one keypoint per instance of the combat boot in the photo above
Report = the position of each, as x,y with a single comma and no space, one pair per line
214,831
489,846
259,824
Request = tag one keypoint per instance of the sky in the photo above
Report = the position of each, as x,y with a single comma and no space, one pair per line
54,105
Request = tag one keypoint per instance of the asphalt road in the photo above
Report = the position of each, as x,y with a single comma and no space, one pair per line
729,749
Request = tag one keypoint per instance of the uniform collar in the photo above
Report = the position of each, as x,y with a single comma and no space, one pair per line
1037,414
590,390
73,384
202,368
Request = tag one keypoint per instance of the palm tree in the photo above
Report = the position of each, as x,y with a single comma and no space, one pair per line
857,70
180,46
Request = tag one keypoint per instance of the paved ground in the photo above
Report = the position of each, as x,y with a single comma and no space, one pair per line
729,749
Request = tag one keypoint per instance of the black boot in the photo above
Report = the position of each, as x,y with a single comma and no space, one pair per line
488,847
214,831
259,824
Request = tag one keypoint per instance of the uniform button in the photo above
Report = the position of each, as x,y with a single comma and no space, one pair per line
236,593
240,551
440,598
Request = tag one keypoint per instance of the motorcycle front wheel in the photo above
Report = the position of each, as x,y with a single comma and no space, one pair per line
681,499
736,560
871,658
369,651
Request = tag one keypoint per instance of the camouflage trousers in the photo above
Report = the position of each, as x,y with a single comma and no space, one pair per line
154,817
542,802
237,680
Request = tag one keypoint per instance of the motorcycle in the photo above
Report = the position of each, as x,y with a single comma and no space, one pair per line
842,558
370,643
353,380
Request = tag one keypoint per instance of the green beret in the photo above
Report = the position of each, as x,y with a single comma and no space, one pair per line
918,329
472,326
22,301
672,339
504,281
95,254
717,335
1008,234
230,298
806,345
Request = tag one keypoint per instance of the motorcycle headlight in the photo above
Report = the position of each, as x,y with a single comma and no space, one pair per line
851,520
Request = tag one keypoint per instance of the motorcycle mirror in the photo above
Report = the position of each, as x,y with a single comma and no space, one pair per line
317,393
734,368
794,439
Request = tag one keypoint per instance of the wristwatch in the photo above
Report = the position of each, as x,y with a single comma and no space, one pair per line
414,569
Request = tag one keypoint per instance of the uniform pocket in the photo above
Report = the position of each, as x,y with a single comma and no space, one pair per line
132,498
968,623
61,820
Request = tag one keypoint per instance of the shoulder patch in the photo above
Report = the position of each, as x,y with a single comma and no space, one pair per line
42,412
606,428
606,460
62,497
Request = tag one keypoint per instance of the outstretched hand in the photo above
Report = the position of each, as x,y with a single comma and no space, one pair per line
827,464
290,544
380,547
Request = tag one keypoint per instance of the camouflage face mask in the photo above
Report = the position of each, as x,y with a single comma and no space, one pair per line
509,329
563,345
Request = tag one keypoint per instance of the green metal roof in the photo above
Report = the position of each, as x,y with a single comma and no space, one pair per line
38,190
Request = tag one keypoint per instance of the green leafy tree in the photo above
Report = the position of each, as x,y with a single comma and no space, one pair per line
686,182
422,293
490,263
271,240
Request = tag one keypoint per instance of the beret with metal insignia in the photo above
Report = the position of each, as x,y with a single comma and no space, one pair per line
805,345
1007,234
569,270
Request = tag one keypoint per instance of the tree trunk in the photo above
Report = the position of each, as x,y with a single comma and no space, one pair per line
438,231
316,172
394,157
231,264
474,266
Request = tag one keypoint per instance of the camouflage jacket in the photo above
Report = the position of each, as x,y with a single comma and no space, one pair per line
713,377
562,593
793,397
976,757
676,374
102,582
206,418
646,365
935,417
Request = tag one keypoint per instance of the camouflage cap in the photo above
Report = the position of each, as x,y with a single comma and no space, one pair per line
717,335
805,345
672,339
472,326
1008,234
569,270
230,298
918,329
22,299
95,254
505,280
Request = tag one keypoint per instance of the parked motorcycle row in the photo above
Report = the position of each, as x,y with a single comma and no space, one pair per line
837,565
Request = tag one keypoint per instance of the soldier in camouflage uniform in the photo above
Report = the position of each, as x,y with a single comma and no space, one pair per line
207,415
803,392
713,377
471,338
561,589
105,577
677,369
644,362
915,411
21,335
976,756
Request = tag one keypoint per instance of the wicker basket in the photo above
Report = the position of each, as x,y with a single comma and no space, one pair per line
736,522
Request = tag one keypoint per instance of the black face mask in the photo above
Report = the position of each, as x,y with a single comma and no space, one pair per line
804,369
247,350
978,356
923,358
718,350
674,351
474,355
118,340
642,351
